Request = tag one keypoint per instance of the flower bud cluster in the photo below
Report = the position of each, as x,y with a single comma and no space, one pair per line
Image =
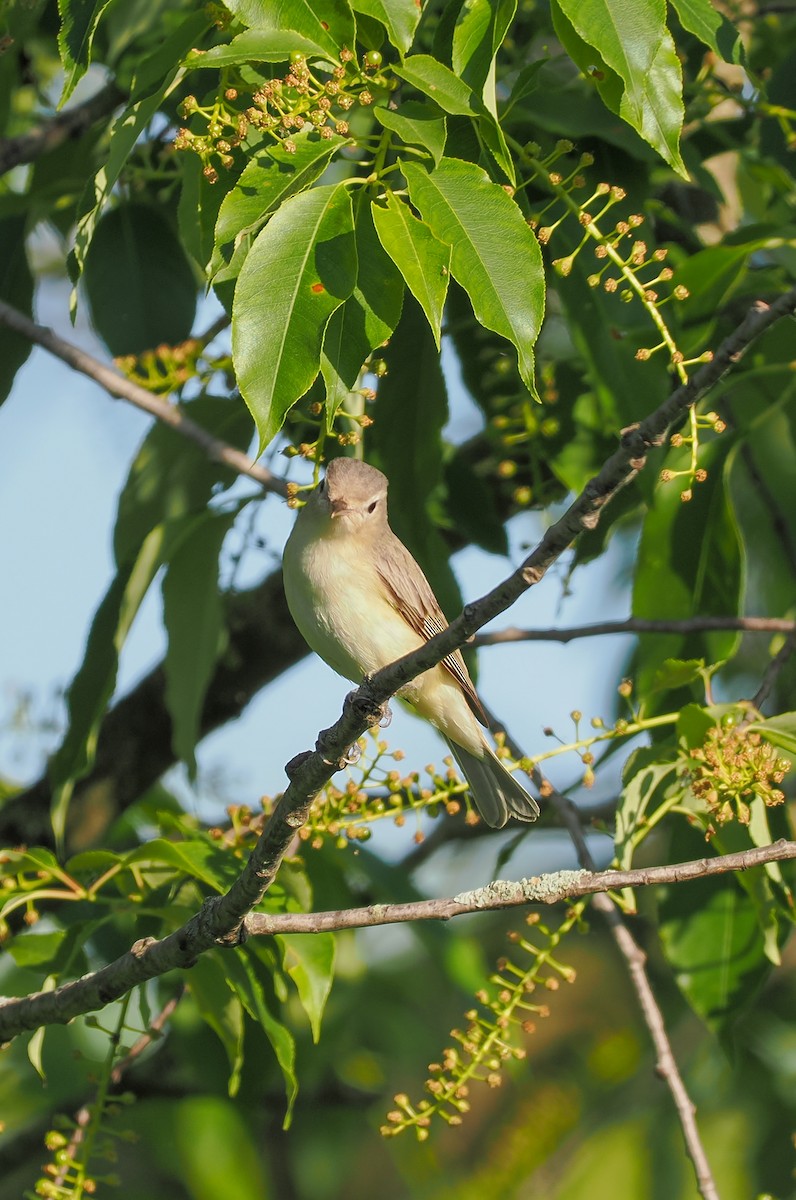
166,369
304,100
732,768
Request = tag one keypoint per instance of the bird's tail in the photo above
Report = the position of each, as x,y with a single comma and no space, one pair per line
497,793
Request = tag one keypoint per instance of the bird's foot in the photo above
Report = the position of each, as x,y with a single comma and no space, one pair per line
366,709
347,759
351,756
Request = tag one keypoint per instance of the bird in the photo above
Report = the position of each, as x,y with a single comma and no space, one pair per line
360,600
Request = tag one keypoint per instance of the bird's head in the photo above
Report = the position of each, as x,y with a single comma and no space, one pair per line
352,496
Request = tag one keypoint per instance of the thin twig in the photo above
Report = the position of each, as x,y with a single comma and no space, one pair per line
216,327
54,132
635,960
500,894
772,671
124,389
84,1114
220,920
636,625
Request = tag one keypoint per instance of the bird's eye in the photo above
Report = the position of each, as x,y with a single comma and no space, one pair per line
372,507
322,486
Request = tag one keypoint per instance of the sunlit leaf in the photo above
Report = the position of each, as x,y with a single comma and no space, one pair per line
299,270
309,961
79,20
417,125
366,319
423,260
494,255
399,18
193,616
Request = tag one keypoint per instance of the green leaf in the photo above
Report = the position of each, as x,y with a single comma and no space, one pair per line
91,862
645,777
399,18
211,1147
417,125
257,45
524,85
160,72
625,389
139,282
704,21
198,210
689,564
438,82
780,731
36,949
480,29
198,858
35,1047
422,259
79,20
243,977
643,81
676,673
711,939
172,477
366,319
330,26
309,961
268,179
221,1009
193,616
92,686
495,256
299,270
694,722
61,951
16,288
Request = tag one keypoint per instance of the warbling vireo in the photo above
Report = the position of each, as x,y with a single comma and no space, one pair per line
360,600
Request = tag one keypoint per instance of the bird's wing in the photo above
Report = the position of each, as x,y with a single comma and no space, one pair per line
411,594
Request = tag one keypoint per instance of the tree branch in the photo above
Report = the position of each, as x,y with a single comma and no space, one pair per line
539,889
124,389
636,625
220,921
773,669
145,959
58,129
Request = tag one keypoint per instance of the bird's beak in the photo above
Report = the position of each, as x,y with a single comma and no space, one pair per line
337,508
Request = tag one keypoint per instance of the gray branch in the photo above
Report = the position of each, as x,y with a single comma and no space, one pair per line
125,389
60,128
540,889
637,625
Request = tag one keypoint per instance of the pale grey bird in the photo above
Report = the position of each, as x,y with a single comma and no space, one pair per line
361,601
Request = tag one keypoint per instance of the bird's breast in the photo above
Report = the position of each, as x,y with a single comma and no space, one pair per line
340,606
